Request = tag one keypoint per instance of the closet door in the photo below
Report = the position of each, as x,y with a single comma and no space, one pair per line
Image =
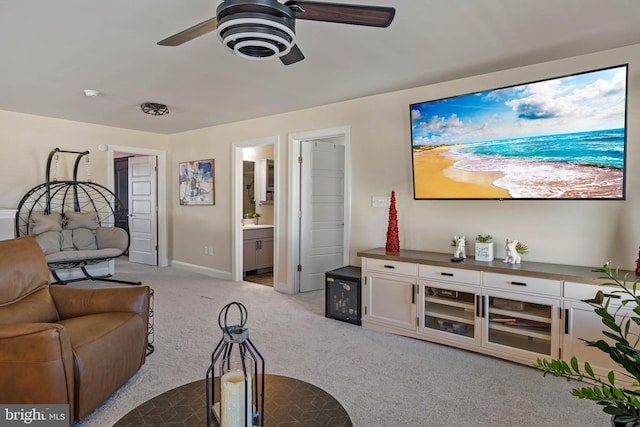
143,224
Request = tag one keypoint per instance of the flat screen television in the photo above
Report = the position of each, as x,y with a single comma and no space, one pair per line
561,138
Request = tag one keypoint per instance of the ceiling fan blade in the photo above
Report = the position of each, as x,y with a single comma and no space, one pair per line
294,55
190,33
372,16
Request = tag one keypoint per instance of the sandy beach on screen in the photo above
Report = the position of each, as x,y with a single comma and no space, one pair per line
436,177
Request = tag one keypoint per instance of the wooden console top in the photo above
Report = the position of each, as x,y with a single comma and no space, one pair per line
570,273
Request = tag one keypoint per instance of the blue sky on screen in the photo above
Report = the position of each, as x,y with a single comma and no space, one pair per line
583,102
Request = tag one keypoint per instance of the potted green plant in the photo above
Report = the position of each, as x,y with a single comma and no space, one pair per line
521,247
622,403
250,218
484,247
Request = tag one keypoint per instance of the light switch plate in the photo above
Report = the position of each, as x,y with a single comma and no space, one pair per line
380,201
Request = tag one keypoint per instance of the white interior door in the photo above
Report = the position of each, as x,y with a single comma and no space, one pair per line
143,228
322,212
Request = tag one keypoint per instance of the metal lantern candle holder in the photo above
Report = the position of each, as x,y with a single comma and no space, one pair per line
240,367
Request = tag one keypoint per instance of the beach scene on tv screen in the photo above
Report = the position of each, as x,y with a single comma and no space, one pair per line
562,138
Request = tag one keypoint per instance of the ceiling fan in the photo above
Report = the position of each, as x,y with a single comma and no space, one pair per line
264,29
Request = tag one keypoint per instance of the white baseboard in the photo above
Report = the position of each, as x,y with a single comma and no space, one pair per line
218,274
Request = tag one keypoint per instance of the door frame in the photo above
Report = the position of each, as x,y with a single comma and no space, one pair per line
295,140
161,213
236,205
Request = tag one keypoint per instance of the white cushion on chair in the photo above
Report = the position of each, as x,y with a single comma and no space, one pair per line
49,242
112,237
66,240
84,239
83,255
41,222
81,220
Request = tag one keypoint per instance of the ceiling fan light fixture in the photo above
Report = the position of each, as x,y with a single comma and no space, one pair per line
266,45
256,49
257,37
264,29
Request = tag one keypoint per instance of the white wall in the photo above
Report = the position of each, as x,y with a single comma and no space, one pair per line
569,232
572,232
27,140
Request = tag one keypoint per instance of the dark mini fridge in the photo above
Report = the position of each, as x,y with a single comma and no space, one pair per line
342,294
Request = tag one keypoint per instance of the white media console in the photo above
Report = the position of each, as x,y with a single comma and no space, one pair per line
516,312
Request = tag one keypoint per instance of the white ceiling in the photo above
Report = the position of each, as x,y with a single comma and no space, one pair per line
51,50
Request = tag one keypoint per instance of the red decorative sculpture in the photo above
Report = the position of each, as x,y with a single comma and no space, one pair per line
393,241
638,264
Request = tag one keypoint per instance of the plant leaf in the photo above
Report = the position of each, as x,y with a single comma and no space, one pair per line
587,368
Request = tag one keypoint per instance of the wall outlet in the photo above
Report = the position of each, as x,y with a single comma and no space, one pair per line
206,250
211,250
380,201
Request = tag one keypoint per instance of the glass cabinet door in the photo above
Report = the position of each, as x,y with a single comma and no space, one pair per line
450,311
522,325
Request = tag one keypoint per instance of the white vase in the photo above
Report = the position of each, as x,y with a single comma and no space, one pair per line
484,251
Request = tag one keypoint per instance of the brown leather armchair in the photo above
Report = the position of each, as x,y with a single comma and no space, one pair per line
60,344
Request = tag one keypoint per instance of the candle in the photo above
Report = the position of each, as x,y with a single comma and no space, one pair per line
232,400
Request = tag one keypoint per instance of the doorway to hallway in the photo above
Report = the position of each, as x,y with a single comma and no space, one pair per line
145,181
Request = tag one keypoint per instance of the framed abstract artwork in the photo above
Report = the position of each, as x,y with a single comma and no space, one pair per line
197,183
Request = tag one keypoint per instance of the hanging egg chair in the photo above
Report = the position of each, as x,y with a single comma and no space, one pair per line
65,207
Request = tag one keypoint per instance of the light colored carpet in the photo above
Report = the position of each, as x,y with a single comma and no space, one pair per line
380,379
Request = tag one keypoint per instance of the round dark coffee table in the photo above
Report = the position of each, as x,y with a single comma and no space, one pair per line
287,402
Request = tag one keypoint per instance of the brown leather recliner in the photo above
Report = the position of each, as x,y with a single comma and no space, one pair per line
60,344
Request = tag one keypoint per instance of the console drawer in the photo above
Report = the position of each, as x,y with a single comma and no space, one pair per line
583,291
447,274
393,267
532,285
